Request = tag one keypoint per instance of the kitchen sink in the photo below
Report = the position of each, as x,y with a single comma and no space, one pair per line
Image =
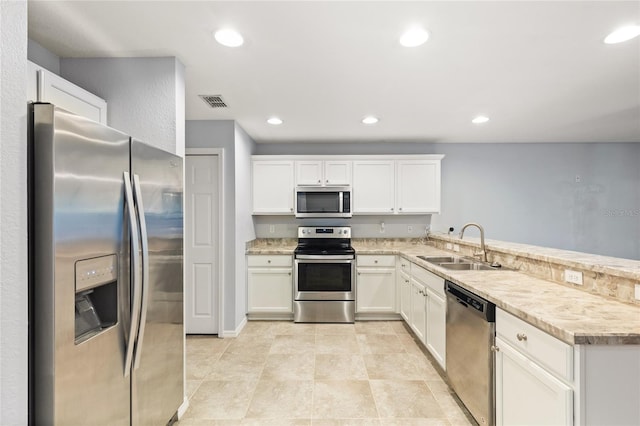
467,267
457,263
443,259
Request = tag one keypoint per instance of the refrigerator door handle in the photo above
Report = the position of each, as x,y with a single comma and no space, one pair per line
135,274
137,193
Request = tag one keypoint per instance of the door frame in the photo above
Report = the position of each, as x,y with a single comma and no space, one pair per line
220,153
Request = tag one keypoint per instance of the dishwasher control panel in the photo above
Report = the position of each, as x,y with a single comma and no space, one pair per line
465,297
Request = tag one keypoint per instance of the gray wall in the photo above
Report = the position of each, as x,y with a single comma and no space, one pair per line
245,146
238,147
145,96
220,134
526,193
43,57
13,213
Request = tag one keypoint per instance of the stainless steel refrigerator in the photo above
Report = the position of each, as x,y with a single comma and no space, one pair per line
105,275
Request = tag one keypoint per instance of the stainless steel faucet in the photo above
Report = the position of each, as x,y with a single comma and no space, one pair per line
483,249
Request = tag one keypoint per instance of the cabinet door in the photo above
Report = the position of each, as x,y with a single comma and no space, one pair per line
60,92
436,326
405,297
269,290
33,75
376,290
418,309
272,186
373,187
309,173
526,394
418,186
337,172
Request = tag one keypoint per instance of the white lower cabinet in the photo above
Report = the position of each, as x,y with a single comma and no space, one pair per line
527,394
436,326
418,309
376,284
405,297
430,324
269,286
534,375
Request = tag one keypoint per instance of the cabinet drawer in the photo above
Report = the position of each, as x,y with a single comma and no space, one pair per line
431,280
404,265
550,352
269,260
376,260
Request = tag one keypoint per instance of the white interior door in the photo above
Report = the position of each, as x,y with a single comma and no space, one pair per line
201,244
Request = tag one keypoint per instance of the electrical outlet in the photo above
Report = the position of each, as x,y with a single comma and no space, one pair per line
456,247
409,229
637,292
272,229
449,246
574,277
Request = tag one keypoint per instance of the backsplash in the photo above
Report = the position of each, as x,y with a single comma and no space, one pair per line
602,275
390,226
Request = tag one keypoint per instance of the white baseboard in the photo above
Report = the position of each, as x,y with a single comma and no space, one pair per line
236,332
183,408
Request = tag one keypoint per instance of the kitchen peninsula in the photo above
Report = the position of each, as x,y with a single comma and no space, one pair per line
583,343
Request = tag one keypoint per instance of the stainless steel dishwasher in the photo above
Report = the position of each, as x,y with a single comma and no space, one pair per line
470,363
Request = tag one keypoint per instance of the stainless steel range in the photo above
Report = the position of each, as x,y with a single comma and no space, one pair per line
324,279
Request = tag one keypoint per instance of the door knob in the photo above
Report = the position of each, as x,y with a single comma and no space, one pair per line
494,348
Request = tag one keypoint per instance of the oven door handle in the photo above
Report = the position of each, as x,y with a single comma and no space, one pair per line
325,257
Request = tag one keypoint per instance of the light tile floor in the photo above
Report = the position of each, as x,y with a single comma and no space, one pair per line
281,373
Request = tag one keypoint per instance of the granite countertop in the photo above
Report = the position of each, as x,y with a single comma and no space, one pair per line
571,315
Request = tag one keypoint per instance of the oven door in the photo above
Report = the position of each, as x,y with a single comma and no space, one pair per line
324,277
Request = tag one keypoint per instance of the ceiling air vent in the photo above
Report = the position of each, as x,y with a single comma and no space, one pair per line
214,101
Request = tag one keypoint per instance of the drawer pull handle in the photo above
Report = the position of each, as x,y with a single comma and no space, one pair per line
268,261
289,273
375,261
521,337
494,348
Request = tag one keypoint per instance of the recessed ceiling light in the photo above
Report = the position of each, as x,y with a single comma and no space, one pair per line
623,34
414,37
480,119
274,121
228,37
370,120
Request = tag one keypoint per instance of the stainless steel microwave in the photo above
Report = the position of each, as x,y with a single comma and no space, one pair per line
323,201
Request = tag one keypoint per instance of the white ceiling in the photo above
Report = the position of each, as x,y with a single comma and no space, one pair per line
538,69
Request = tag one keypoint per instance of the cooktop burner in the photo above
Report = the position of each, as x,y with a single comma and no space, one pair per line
324,240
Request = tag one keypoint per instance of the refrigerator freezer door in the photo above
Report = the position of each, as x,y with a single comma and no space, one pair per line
157,379
78,270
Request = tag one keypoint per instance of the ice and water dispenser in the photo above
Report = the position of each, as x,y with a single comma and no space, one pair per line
96,296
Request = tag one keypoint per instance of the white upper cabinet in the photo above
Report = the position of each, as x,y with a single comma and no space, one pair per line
323,173
272,186
418,186
32,82
309,173
380,184
45,86
337,172
374,186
